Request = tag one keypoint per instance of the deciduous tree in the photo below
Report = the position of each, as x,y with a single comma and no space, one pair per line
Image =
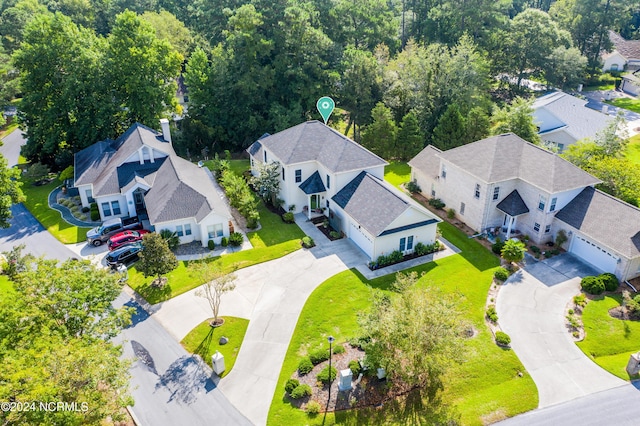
517,118
10,191
267,181
156,259
216,284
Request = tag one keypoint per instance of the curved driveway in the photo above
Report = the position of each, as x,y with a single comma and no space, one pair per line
531,310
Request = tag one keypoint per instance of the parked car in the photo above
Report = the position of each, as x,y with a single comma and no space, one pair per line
125,237
124,254
109,228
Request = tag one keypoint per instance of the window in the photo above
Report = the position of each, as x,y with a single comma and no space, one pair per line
327,203
536,227
403,244
560,147
328,181
552,207
187,229
265,156
614,67
283,173
477,191
298,176
179,231
433,189
214,230
542,202
547,229
444,171
115,206
410,243
106,210
496,193
89,196
462,206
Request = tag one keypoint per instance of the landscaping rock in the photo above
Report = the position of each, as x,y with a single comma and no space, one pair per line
223,340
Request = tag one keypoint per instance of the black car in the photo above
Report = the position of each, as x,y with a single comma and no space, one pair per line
124,254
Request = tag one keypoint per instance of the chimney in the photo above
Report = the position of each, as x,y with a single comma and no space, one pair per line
166,133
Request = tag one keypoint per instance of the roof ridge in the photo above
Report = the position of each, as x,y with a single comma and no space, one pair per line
382,183
626,204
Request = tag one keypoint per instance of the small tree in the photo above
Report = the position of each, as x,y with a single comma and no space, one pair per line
156,259
66,174
513,251
37,173
267,182
171,237
216,283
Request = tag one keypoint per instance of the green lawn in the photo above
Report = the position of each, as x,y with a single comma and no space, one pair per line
275,239
6,286
486,384
633,149
8,129
626,103
204,340
237,166
36,202
609,341
397,173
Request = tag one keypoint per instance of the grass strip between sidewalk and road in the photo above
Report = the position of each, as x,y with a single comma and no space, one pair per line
486,387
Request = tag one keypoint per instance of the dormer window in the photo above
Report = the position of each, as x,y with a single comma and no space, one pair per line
444,171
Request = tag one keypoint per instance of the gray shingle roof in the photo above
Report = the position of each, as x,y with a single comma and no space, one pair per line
314,141
606,219
99,162
427,161
580,121
313,184
630,49
513,204
130,173
504,157
182,190
372,203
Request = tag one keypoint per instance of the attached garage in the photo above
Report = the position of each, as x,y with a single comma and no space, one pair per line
594,254
360,237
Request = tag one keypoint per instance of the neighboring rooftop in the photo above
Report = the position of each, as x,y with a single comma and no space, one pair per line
507,156
630,49
427,161
605,219
315,141
372,203
579,120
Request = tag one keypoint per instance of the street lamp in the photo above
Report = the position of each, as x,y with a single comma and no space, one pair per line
331,339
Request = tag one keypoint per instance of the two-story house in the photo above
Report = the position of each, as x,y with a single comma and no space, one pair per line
507,184
139,174
324,172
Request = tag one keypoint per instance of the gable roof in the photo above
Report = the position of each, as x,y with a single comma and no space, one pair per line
513,204
315,141
427,161
507,156
606,219
182,190
313,184
579,120
630,49
373,204
98,163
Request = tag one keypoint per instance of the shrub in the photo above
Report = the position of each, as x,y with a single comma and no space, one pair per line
610,281
561,238
288,217
436,203
339,349
211,244
224,242
85,210
592,285
75,209
354,366
501,274
335,234
497,246
535,249
502,338
66,174
95,213
252,223
580,300
307,242
632,304
305,366
235,239
301,391
451,213
313,408
323,375
492,315
318,356
292,207
413,187
291,385
395,256
171,238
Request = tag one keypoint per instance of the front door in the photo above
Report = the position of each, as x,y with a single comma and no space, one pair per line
138,199
314,201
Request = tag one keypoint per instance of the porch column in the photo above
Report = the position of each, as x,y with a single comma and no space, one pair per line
309,207
511,220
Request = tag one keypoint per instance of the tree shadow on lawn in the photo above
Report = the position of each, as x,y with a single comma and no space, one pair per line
153,294
203,347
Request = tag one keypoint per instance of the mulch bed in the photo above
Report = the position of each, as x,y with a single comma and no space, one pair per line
366,391
318,222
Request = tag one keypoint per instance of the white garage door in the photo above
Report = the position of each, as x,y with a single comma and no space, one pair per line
363,241
594,254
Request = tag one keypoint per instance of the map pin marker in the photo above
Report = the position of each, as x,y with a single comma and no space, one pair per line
325,106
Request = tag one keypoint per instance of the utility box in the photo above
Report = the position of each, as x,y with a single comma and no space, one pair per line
633,366
345,379
381,373
217,360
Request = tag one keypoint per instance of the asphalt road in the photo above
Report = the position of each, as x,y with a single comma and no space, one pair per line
11,146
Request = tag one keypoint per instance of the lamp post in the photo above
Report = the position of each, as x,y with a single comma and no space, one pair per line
331,339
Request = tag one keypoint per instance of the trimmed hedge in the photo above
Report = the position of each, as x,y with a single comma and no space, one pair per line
291,385
318,356
323,375
305,366
610,281
301,391
502,338
592,285
501,274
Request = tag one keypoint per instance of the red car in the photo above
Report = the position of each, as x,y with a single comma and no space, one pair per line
125,237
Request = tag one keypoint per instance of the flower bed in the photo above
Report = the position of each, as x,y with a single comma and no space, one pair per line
397,256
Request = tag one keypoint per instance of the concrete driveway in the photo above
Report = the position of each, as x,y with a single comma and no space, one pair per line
531,310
